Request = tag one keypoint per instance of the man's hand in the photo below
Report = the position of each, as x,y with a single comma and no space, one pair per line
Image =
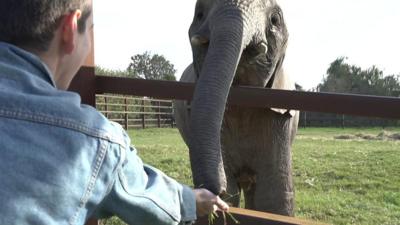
207,202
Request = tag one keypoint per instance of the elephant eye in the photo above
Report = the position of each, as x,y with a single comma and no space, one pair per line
199,15
276,19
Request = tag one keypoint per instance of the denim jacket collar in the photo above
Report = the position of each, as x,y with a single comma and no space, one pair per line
12,54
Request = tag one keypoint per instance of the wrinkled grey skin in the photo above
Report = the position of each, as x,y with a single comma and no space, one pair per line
233,149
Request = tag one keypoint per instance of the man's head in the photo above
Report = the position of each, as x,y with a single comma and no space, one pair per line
58,31
32,23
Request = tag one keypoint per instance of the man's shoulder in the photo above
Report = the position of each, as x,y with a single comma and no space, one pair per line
28,93
61,109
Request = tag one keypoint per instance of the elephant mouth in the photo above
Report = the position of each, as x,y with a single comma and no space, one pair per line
255,67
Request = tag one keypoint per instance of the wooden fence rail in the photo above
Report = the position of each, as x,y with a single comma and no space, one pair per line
251,217
351,104
143,112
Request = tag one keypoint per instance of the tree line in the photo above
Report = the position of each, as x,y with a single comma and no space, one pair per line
345,78
342,77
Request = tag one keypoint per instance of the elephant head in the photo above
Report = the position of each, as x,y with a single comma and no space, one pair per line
234,42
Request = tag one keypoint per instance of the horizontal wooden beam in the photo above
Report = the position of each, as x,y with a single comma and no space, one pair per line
360,105
251,217
141,87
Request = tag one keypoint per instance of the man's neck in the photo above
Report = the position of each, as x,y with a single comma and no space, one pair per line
50,58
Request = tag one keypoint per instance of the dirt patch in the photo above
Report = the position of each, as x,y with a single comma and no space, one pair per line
395,136
369,136
384,135
345,137
390,136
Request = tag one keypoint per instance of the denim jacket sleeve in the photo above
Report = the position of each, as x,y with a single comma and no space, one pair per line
141,194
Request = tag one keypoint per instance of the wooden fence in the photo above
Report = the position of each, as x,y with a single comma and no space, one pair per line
88,85
316,119
136,112
144,112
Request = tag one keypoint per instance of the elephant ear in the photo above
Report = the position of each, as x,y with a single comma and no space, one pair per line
182,108
283,82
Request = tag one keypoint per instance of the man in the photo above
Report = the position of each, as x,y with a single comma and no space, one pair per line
62,162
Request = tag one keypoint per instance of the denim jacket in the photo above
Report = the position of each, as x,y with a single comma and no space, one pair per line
62,162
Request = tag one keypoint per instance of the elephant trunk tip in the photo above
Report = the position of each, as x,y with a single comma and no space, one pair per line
214,188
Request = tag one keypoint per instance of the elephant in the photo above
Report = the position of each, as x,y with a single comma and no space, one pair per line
235,149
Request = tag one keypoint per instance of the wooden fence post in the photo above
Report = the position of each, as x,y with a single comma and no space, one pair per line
158,114
84,84
106,106
126,113
143,119
342,121
172,115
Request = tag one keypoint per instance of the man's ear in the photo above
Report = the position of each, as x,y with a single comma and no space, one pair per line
69,28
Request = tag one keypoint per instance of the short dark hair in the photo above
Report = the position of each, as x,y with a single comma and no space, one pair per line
32,23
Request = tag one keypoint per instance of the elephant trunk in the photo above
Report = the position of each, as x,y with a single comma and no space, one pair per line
210,96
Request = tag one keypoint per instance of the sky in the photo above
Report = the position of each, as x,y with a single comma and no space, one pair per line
367,32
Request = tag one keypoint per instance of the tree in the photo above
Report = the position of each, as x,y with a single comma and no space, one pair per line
337,79
345,78
114,73
151,67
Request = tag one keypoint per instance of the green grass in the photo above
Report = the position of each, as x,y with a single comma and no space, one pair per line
165,150
353,181
338,181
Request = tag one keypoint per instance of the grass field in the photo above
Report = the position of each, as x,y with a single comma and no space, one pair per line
342,176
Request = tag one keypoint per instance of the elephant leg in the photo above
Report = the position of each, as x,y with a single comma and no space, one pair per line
269,196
